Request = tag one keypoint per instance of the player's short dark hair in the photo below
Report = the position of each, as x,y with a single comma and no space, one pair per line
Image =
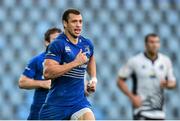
65,16
150,35
49,32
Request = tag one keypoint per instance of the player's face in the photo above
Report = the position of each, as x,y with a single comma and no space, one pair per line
153,45
74,25
52,37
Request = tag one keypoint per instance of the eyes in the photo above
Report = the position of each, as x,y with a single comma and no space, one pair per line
154,42
77,21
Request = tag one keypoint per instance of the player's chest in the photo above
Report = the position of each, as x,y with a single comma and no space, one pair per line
151,70
70,51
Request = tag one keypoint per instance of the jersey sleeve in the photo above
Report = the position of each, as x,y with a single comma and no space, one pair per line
170,75
54,51
126,70
30,69
91,48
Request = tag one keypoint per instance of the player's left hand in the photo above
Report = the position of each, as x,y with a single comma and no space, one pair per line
90,88
168,84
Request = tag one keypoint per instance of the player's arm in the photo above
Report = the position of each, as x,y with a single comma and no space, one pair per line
125,72
135,99
52,68
170,81
28,83
169,84
124,88
91,69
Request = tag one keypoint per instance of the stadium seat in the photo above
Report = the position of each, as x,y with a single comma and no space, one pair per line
117,29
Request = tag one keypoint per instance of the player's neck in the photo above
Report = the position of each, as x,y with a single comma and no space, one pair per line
151,56
73,40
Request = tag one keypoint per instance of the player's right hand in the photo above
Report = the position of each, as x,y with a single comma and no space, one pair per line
81,58
46,84
136,100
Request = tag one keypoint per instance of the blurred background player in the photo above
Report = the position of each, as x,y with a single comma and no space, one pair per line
151,72
32,77
66,61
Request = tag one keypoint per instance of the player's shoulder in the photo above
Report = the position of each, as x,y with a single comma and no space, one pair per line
85,40
60,38
164,57
137,57
59,41
38,57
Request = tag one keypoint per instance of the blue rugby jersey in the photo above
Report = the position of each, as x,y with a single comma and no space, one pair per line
34,70
68,89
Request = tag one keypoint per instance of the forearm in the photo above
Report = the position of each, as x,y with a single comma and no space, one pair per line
27,83
92,72
92,67
124,88
54,71
30,84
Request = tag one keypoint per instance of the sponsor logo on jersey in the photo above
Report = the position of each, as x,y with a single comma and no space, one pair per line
67,49
87,50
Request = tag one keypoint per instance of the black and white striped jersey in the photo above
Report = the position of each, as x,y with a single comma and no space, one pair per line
146,75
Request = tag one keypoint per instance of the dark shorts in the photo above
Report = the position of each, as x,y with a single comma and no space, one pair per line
53,112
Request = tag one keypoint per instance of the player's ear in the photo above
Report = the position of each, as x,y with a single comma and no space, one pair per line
65,23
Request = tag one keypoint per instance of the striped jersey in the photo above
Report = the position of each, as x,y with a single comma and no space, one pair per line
68,89
146,75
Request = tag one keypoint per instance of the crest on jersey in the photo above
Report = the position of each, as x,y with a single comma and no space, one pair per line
87,50
67,49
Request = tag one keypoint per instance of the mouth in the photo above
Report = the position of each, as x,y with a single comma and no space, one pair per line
77,31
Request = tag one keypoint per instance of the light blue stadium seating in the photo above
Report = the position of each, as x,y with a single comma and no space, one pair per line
116,27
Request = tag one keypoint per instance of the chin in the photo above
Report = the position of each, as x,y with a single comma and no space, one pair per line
76,35
154,52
